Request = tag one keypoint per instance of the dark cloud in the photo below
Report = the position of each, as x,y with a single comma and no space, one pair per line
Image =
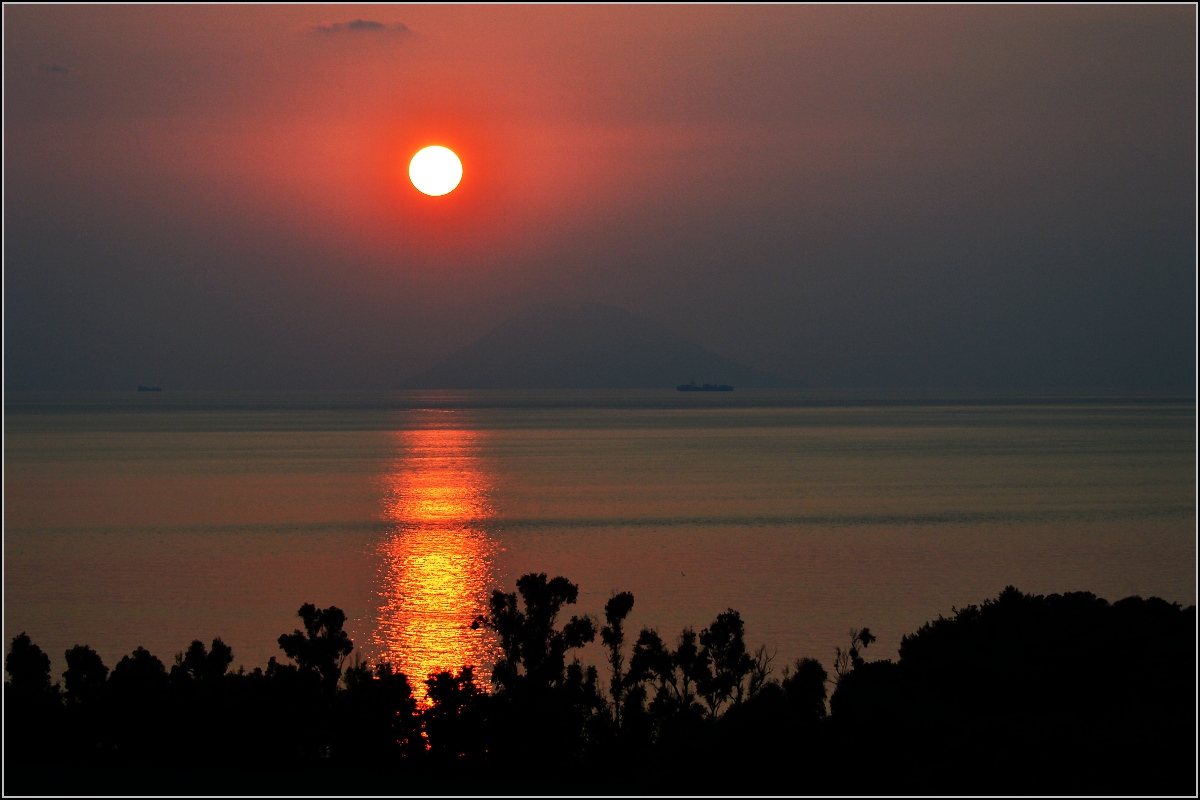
360,26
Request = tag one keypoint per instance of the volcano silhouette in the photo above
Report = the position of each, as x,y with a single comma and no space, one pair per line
588,346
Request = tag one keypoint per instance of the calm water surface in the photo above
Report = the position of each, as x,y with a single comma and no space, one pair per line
155,519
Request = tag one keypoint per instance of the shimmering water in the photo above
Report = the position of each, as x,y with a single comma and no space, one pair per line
155,519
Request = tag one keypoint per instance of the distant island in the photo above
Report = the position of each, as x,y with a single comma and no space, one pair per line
708,387
585,346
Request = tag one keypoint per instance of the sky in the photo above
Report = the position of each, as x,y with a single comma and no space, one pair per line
216,197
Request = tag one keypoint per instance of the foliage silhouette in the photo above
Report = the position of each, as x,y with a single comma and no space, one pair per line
804,687
85,676
1025,685
31,703
533,650
322,647
28,669
140,674
726,662
851,658
544,707
455,719
613,637
1023,693
377,720
199,664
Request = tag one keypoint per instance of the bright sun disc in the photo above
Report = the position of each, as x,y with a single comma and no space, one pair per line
435,170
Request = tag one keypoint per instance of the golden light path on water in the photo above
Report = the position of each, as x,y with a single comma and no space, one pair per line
435,572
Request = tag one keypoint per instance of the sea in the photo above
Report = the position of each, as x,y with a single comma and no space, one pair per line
155,518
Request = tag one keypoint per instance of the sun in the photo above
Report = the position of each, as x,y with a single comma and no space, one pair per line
435,170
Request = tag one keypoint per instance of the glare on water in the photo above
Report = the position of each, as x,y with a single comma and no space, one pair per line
221,516
434,574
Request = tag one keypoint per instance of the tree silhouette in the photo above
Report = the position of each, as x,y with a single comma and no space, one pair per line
1021,693
805,689
845,661
378,722
85,676
455,717
543,708
692,664
613,637
723,652
140,674
676,675
32,706
653,662
533,650
28,686
28,669
199,664
322,647
138,690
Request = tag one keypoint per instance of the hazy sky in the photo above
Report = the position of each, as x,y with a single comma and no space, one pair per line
979,196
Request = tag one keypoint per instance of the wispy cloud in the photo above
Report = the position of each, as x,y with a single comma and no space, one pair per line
52,68
360,27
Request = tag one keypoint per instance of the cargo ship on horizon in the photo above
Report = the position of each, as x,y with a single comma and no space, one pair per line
708,387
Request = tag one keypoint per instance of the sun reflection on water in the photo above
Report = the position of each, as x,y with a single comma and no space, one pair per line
435,572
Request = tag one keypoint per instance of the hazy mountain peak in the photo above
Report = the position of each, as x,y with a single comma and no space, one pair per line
584,346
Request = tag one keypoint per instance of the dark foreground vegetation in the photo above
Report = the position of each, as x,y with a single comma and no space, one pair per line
1022,695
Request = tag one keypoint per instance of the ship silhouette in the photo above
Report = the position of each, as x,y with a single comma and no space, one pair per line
708,387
